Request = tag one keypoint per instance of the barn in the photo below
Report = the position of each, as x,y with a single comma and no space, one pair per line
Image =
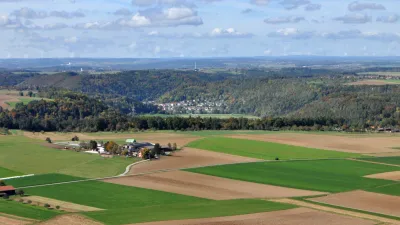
8,190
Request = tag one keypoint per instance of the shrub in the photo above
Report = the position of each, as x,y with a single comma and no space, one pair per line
174,147
29,201
21,200
2,183
48,140
20,192
58,207
76,138
47,205
277,159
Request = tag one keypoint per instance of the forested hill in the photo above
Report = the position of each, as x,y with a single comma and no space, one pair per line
289,92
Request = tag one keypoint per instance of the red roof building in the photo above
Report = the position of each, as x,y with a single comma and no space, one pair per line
9,190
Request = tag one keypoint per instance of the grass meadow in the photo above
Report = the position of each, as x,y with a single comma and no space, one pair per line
28,156
27,211
186,211
8,173
320,175
265,150
109,196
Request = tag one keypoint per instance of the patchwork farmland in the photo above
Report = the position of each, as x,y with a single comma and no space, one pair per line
275,178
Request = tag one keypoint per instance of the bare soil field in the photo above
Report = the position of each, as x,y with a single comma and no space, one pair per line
67,206
156,137
5,220
381,220
7,98
210,187
362,200
395,175
188,158
357,144
372,82
70,219
299,216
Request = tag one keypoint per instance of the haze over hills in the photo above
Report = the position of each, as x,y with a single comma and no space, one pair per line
60,64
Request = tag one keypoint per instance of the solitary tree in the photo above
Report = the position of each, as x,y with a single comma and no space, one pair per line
93,145
76,138
30,93
21,93
2,183
157,149
48,140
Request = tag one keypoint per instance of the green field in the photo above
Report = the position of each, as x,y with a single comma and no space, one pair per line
264,150
8,173
28,156
27,211
381,73
319,175
390,189
109,196
24,100
41,179
186,211
388,160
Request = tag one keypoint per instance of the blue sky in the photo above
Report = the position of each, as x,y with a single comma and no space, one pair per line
198,28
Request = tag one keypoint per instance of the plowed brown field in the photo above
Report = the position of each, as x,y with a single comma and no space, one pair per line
70,219
367,201
5,220
188,158
210,187
298,216
355,144
395,175
7,98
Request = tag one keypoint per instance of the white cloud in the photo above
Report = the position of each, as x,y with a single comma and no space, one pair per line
178,13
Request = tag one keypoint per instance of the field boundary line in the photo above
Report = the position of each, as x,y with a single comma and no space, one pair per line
336,210
366,161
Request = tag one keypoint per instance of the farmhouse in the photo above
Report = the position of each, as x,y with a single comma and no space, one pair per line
8,190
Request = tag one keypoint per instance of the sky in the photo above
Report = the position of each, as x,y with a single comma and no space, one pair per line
198,28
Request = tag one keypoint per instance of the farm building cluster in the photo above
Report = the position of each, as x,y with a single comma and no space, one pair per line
131,148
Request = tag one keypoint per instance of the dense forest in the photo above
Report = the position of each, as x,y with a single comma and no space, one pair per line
76,112
287,93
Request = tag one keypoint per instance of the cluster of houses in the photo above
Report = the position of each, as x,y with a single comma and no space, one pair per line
134,148
388,130
192,106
